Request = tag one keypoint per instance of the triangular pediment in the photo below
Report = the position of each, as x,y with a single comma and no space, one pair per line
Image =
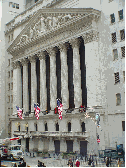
48,20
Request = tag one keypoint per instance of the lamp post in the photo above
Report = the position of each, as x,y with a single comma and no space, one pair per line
116,144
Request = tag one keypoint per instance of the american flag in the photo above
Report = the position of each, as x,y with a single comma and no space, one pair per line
19,112
60,108
37,110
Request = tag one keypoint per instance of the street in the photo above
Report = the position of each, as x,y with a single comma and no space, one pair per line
54,162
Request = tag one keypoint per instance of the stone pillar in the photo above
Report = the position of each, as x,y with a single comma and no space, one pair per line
92,69
64,76
63,145
25,85
33,82
43,89
76,146
41,144
51,145
53,78
17,92
76,73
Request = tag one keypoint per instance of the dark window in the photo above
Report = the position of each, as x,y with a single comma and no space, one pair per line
36,127
27,129
124,75
114,38
19,128
13,5
121,14
118,99
8,38
46,129
123,125
19,141
122,34
112,16
69,127
116,77
83,127
57,127
123,51
115,54
17,6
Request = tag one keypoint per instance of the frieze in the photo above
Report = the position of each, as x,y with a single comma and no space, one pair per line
46,24
50,35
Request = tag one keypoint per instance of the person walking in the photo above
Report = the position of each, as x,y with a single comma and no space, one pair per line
107,162
70,163
119,162
77,163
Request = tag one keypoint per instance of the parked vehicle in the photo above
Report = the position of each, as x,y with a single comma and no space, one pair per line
9,151
111,152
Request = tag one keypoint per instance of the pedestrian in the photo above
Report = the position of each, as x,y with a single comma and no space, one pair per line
77,163
119,162
70,163
110,162
89,161
107,162
15,165
92,163
96,162
38,163
43,165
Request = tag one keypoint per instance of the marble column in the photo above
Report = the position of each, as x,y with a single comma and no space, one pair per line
76,73
92,69
25,85
17,92
64,76
53,78
33,82
63,145
76,146
51,145
43,89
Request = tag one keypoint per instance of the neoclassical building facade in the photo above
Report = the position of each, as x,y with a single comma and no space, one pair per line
59,52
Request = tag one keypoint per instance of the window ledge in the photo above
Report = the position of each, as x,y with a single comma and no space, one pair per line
121,20
115,59
122,40
112,23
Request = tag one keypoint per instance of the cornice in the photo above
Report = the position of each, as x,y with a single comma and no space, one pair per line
53,38
88,12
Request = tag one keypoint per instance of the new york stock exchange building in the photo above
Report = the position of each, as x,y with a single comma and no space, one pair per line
65,49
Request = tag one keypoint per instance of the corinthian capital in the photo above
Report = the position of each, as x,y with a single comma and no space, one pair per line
16,65
24,62
91,36
32,58
62,47
75,42
51,52
41,55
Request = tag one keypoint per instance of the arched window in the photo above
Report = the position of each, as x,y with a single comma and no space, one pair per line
57,127
26,127
69,127
36,127
46,128
83,127
19,127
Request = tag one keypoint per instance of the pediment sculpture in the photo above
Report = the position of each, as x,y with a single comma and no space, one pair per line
45,24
